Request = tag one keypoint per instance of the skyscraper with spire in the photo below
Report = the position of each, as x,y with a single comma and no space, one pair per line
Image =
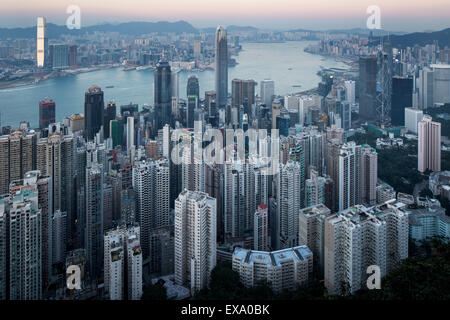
221,63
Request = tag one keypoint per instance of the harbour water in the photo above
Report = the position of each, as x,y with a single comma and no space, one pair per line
291,68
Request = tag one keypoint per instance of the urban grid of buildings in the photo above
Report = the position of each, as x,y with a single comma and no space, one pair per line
100,191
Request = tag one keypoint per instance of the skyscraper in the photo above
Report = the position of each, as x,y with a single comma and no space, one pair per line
267,92
241,91
367,88
412,118
193,93
41,43
221,64
94,219
195,239
369,175
261,229
46,113
110,114
163,95
93,112
429,145
402,91
130,136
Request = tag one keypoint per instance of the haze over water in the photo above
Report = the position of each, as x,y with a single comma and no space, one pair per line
257,61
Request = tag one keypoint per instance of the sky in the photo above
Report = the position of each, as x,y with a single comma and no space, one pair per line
396,15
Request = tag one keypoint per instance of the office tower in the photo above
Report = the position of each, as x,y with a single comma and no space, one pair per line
369,175
175,83
162,248
17,156
116,131
41,43
193,93
261,229
73,56
221,65
46,113
94,219
130,136
197,49
315,189
25,241
4,210
110,115
282,270
346,115
59,54
210,102
93,112
367,88
151,182
123,276
402,90
290,184
59,237
429,145
350,87
425,83
441,83
412,118
283,123
359,237
162,95
267,91
195,239
325,84
384,110
312,232
243,91
128,206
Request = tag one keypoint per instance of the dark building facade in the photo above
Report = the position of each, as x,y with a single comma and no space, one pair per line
163,95
46,113
193,92
110,114
93,112
242,90
402,90
367,88
221,62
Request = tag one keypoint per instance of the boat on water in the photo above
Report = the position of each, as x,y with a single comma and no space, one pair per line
143,68
109,87
128,68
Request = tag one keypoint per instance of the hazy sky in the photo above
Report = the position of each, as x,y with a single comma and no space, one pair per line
396,15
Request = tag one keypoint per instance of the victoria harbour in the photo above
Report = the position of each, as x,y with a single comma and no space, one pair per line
286,63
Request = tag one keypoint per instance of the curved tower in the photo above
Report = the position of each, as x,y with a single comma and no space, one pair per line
221,62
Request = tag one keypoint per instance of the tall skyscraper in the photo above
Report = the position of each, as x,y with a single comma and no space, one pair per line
261,229
41,43
412,118
369,175
429,145
221,64
193,94
267,92
163,95
46,113
367,88
93,112
130,136
94,219
315,189
350,87
402,92
110,115
195,239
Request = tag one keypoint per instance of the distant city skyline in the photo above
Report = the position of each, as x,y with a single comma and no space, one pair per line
399,15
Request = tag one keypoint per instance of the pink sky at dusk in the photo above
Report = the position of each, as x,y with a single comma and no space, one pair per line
407,15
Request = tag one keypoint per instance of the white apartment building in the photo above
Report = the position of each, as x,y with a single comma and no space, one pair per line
195,239
123,262
359,237
261,228
281,270
412,118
